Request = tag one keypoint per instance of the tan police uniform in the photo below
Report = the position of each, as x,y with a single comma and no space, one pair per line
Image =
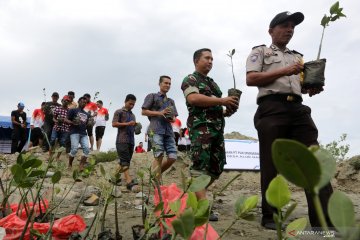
265,59
281,114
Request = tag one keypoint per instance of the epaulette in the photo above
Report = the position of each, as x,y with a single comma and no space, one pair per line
263,45
296,52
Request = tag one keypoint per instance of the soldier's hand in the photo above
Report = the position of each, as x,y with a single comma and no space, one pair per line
294,69
231,102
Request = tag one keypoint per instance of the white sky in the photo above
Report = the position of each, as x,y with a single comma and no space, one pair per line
121,47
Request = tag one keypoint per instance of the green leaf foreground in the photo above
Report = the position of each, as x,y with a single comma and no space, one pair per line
341,212
295,226
278,193
199,183
296,163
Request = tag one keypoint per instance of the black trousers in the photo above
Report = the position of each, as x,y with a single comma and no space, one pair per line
18,140
281,119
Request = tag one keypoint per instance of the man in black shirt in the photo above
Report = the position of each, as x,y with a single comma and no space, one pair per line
18,119
49,122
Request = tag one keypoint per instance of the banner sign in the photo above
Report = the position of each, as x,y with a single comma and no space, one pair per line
242,154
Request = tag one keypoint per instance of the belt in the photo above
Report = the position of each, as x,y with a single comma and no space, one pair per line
291,98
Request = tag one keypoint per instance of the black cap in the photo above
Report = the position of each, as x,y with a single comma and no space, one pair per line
297,17
55,94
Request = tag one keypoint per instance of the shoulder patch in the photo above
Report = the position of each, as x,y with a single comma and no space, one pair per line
263,45
296,52
192,77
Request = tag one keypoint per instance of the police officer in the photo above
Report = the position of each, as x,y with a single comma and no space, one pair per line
275,70
206,120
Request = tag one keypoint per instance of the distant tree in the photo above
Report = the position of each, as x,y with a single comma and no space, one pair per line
337,148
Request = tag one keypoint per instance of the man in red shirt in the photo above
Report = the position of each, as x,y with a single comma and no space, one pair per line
100,123
139,148
36,123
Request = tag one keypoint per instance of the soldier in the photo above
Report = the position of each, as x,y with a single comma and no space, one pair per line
281,114
206,120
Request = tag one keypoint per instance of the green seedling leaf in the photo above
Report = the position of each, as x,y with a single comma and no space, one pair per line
57,190
175,206
140,174
289,210
324,21
202,212
154,229
295,226
56,177
327,166
340,14
244,205
199,183
27,183
36,173
250,203
18,172
92,161
33,162
159,207
178,227
20,159
36,233
185,225
334,8
334,18
192,201
278,193
341,212
102,170
146,224
239,205
296,163
233,52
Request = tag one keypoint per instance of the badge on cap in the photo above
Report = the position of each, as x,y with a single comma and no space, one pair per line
288,13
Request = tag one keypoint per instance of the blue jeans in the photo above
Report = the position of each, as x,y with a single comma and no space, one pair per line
75,139
60,135
164,143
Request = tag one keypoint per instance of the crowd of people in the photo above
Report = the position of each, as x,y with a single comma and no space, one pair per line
274,70
67,123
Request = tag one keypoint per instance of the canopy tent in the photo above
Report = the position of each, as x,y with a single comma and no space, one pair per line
5,133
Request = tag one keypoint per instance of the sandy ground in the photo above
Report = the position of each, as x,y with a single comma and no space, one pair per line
347,180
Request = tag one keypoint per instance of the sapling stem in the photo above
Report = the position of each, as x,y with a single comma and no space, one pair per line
320,212
320,46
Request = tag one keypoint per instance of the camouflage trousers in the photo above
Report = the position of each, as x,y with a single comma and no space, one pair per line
207,152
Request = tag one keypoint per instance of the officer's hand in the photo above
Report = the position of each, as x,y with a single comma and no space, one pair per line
231,102
314,91
294,69
131,123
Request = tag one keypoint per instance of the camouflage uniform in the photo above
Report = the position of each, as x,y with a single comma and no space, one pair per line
206,127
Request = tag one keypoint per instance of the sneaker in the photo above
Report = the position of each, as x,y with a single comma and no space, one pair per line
213,217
